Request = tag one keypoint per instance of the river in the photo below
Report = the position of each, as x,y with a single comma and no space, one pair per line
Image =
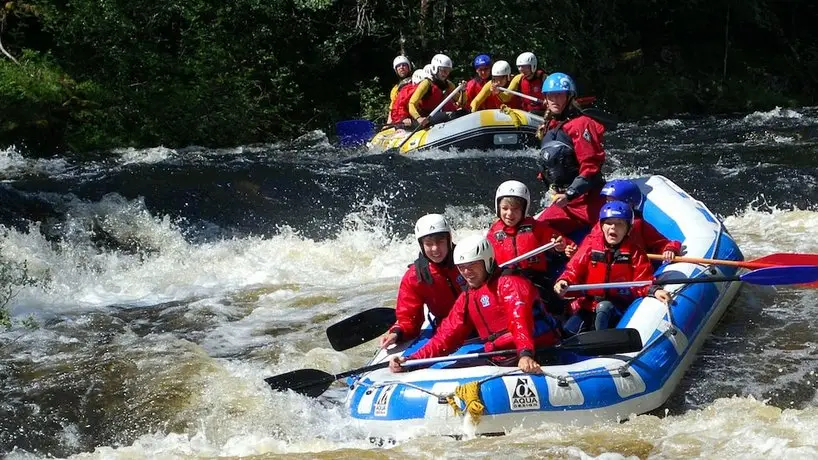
171,282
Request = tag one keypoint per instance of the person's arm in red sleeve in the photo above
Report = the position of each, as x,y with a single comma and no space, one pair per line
576,270
517,295
451,334
587,136
656,243
409,307
642,271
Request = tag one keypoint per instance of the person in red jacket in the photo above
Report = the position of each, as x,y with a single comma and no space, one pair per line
516,233
642,234
402,68
573,157
529,81
482,67
612,259
432,280
400,116
504,309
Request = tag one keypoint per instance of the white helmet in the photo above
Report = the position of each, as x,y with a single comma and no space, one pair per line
500,68
418,76
431,224
474,248
428,70
512,188
527,58
400,60
441,60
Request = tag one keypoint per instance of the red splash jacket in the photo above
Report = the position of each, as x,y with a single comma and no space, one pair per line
502,312
533,88
510,242
437,289
595,262
643,235
473,88
400,108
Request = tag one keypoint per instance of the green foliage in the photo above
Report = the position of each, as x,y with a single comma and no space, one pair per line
101,74
40,101
373,105
13,277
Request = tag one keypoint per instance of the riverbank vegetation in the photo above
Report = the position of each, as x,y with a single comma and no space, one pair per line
87,75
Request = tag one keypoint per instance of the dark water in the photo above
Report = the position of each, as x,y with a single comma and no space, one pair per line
172,282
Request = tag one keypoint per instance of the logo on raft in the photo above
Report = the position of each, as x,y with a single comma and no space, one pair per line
522,394
382,404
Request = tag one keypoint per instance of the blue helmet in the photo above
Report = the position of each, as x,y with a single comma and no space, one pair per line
623,190
558,82
616,210
481,60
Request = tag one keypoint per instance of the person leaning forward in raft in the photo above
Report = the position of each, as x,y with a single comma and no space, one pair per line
489,96
609,260
430,93
504,309
432,280
572,158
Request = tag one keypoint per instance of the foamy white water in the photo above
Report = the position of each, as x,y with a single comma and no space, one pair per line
158,341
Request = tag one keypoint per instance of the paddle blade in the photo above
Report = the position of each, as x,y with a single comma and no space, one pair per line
352,133
360,328
797,274
308,382
609,121
782,258
604,342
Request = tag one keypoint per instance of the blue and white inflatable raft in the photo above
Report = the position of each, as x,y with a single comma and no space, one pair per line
593,389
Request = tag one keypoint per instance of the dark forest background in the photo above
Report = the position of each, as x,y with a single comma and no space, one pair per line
84,75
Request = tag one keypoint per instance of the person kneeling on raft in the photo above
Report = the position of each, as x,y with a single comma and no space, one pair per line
432,280
504,309
642,233
433,91
612,259
515,233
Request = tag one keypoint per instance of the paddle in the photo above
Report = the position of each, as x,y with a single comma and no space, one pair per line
770,276
370,324
360,328
434,112
601,116
312,382
352,133
772,260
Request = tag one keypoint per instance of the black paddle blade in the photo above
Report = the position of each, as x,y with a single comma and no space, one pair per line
360,328
604,342
606,119
308,382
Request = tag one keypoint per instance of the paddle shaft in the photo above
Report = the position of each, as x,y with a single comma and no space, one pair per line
580,100
519,94
769,276
528,254
596,114
726,263
426,361
630,284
